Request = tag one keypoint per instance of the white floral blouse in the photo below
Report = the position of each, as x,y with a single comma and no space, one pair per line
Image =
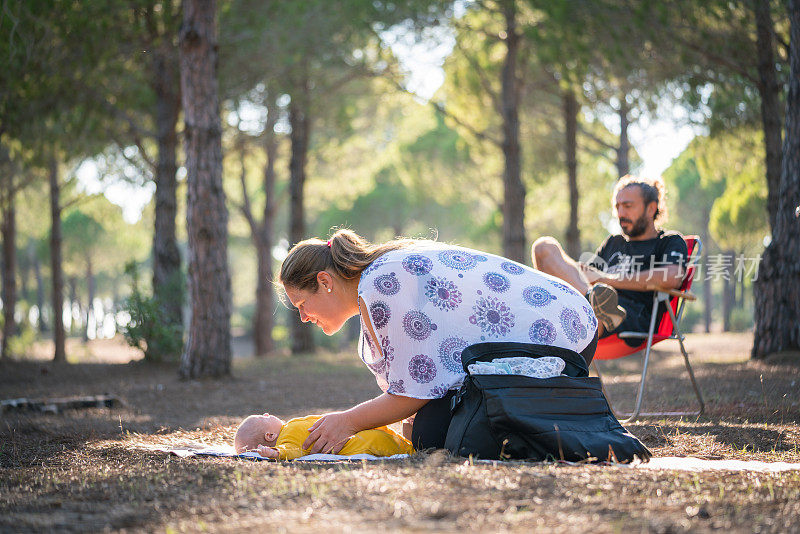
427,303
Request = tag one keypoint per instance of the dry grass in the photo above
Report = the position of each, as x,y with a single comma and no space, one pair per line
92,470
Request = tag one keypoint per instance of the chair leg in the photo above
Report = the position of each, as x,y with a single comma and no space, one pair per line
637,410
688,365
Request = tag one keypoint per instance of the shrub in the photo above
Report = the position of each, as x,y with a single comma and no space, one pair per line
149,329
21,343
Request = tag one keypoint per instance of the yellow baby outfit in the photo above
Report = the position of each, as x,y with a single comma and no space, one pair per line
380,441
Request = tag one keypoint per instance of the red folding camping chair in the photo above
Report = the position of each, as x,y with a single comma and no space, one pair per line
614,346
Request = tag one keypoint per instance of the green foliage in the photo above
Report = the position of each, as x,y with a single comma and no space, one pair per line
739,216
741,319
82,233
714,44
148,329
719,181
21,343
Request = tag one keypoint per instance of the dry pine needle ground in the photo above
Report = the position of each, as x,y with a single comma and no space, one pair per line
93,470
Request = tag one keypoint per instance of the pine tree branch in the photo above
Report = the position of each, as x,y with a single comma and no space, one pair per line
484,81
151,166
245,207
596,139
439,107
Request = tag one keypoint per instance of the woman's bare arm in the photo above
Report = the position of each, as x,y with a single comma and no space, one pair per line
331,432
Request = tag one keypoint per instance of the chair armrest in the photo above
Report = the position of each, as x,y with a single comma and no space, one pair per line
673,292
626,335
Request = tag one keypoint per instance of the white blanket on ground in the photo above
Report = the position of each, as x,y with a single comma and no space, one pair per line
680,463
698,464
676,463
227,452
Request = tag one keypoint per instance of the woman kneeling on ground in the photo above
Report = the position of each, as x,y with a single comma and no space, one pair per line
421,303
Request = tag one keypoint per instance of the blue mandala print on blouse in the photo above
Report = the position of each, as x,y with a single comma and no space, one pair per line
387,349
493,316
443,293
561,286
417,325
440,391
537,296
542,332
422,369
417,264
387,284
450,353
496,282
512,268
572,325
479,257
397,386
380,313
592,318
458,259
374,265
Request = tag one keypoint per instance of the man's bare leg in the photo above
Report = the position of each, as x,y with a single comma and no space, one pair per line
548,257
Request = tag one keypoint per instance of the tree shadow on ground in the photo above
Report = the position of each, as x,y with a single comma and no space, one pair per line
109,488
154,398
747,390
736,436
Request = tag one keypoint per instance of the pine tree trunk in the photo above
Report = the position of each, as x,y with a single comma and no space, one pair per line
571,127
37,273
513,189
769,89
742,291
207,351
623,152
707,294
728,283
9,232
59,337
24,277
735,297
263,319
302,340
167,279
777,289
90,306
74,302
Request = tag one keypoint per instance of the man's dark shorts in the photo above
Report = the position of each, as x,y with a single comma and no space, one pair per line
636,320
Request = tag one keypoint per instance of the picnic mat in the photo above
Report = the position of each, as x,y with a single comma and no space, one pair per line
227,452
678,463
699,464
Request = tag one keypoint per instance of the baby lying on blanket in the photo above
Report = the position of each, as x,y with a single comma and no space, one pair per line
271,437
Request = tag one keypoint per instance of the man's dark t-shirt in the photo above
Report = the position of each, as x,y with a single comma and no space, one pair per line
620,256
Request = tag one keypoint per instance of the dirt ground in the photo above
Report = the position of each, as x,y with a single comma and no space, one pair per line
93,470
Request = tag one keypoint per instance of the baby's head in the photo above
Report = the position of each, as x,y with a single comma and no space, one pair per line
257,430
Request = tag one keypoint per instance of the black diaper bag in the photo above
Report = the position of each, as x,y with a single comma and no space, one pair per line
520,417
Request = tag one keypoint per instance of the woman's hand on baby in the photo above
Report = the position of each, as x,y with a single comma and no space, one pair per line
330,433
267,452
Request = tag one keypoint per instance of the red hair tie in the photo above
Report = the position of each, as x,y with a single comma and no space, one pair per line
329,243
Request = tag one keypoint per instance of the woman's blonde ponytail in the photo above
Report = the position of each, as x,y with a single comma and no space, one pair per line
345,253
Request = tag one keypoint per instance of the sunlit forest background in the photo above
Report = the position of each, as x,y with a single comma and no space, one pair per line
390,118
